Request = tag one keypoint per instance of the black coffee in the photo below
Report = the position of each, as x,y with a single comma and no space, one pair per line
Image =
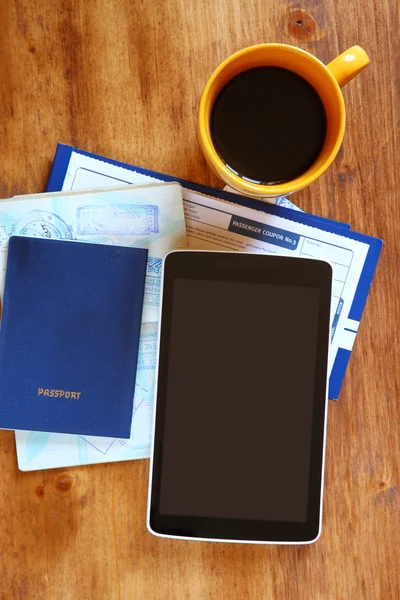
268,125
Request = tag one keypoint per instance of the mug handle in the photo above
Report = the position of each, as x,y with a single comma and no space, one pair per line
348,64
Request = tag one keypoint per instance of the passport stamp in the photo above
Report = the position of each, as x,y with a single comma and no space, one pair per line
44,224
118,219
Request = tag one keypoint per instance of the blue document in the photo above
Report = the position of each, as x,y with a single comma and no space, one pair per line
210,225
69,336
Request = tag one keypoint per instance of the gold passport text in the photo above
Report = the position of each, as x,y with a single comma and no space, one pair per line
58,393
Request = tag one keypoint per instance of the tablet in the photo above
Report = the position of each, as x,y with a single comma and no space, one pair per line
239,434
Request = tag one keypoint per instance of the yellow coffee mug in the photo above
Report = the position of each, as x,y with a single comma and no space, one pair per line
325,79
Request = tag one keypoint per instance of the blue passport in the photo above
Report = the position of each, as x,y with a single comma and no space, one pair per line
69,336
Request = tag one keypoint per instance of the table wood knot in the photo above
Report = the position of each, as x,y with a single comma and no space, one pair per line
302,26
385,492
64,482
39,491
346,174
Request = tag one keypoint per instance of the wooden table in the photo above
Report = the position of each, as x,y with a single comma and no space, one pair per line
123,78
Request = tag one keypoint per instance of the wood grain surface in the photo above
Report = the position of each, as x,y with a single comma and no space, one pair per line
123,78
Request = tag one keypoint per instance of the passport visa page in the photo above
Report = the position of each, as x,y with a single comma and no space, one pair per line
149,216
212,224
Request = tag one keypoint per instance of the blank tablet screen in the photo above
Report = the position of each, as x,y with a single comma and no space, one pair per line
239,407
241,397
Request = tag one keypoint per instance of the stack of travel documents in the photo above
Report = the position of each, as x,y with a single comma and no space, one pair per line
207,219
